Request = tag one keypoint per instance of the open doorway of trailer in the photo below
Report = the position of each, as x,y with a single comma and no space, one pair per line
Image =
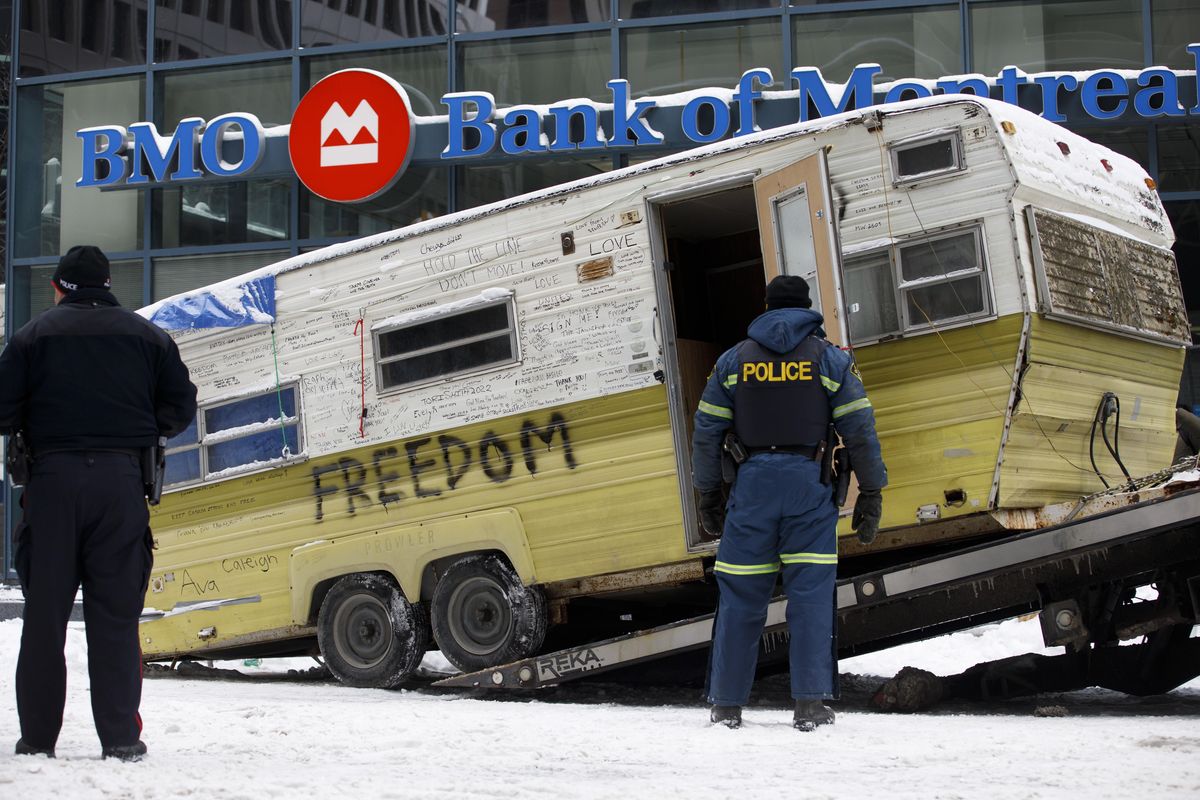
711,286
715,248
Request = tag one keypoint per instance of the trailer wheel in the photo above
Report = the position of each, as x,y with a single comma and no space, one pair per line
369,633
484,616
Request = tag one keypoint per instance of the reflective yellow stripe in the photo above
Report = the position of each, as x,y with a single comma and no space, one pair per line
809,558
830,384
746,569
731,381
857,405
716,411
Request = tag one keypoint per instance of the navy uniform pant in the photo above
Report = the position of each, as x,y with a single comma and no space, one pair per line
85,522
779,516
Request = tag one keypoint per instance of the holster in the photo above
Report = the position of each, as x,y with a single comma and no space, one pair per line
841,476
733,455
825,455
18,461
154,469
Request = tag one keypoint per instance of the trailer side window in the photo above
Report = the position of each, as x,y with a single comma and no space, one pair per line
916,285
236,436
926,157
451,344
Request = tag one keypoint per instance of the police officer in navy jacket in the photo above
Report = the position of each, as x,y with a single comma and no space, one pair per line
779,389
91,385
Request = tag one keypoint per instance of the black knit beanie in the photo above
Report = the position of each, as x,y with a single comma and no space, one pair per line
84,266
788,291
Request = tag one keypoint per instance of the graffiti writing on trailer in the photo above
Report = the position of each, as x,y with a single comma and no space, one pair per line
431,466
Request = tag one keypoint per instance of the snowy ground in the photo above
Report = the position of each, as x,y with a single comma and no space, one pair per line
266,736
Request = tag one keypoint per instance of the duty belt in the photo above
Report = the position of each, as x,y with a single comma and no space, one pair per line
807,450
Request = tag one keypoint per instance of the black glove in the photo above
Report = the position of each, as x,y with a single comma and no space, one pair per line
868,509
712,512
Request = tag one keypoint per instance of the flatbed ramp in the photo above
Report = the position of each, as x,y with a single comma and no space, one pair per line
1085,566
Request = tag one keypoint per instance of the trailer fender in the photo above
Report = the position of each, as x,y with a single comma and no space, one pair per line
405,551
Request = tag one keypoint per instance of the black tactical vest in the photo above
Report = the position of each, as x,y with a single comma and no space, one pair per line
779,400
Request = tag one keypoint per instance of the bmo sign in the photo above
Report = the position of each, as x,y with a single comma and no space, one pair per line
349,140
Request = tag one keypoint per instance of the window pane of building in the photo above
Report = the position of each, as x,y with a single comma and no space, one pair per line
175,275
350,21
477,17
78,35
1179,158
1175,24
182,32
54,214
264,90
203,213
542,69
32,294
871,296
907,43
1040,35
945,301
422,71
675,59
421,193
636,9
488,184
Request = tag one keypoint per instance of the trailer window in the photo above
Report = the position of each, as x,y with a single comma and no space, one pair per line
917,285
451,344
926,157
235,436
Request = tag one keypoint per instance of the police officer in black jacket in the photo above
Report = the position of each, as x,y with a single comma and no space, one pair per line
91,385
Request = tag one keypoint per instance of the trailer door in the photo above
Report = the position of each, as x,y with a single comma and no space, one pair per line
797,224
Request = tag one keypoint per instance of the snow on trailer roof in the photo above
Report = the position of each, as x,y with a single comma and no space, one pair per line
240,300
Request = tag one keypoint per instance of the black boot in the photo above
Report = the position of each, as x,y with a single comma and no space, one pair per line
125,752
811,713
729,716
26,749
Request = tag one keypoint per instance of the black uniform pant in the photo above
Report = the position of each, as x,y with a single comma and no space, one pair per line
85,522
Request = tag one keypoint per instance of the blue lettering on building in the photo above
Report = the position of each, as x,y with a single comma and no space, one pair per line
136,155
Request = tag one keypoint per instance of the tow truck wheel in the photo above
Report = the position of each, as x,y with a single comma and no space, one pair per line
484,616
369,633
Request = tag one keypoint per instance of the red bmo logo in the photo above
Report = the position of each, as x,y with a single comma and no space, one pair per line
351,135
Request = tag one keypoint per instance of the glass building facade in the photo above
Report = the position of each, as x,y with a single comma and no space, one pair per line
82,63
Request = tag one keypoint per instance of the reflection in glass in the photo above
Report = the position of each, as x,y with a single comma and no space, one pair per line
665,60
93,34
1179,158
541,69
261,89
1175,24
635,9
203,213
476,17
350,21
488,184
1038,36
421,193
907,43
175,275
420,70
182,33
53,213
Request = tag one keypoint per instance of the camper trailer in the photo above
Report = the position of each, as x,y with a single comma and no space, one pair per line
454,434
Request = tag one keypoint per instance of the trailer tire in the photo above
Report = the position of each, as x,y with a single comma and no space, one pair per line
483,615
370,635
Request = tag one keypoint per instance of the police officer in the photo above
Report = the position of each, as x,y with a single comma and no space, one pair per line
91,385
779,390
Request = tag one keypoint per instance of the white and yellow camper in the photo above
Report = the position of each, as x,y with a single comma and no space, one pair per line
461,427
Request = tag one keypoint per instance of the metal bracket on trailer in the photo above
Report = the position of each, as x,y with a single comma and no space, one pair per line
1070,540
